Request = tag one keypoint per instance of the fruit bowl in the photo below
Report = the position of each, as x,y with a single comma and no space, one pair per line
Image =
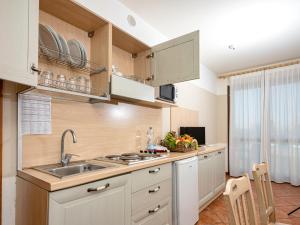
183,143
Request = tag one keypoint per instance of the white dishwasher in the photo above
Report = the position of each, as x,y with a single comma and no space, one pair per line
185,192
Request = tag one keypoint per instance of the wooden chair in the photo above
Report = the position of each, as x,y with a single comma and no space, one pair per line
239,199
264,194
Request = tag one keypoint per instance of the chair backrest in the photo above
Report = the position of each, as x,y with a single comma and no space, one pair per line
264,193
239,199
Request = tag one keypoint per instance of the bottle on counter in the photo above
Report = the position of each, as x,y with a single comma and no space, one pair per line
150,140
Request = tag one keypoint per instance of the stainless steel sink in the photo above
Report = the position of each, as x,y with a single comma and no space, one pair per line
73,169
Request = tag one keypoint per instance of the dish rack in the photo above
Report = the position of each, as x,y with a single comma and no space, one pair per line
63,59
66,85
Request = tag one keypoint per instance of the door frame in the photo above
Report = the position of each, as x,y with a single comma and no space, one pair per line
1,145
228,128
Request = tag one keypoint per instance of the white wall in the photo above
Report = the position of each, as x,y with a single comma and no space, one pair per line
116,13
208,80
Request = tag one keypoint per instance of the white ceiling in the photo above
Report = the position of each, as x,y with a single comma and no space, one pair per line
262,31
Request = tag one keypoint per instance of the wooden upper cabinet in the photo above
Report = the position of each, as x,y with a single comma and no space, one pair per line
19,40
176,60
170,62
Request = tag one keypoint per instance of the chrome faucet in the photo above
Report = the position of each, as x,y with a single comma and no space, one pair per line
65,158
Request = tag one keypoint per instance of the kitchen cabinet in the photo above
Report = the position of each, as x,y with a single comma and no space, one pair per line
206,178
211,176
152,196
171,62
158,214
24,50
176,60
104,202
109,205
130,89
142,67
219,161
19,41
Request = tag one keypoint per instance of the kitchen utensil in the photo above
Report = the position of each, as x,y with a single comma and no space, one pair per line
88,86
81,84
47,41
84,55
76,53
61,81
72,84
46,78
65,52
56,37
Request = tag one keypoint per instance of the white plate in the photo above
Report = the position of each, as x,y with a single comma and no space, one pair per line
47,42
76,55
65,54
84,55
56,39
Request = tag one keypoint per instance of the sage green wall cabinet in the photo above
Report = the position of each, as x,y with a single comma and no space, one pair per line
176,60
19,40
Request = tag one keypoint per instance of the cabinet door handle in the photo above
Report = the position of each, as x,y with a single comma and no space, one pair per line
219,152
35,69
154,210
100,188
154,171
205,157
154,190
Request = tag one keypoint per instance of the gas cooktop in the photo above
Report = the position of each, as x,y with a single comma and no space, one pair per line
131,158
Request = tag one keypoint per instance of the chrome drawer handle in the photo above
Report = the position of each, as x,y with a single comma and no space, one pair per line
154,190
154,171
101,188
154,210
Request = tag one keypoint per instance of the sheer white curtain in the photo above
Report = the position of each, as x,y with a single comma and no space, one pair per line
246,100
282,123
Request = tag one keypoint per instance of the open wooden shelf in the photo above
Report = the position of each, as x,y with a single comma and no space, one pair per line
66,94
72,13
157,104
126,42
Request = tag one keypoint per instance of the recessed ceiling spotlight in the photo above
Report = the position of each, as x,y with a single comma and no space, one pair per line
131,20
231,47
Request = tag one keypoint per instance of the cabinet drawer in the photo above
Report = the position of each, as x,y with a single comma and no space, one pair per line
151,195
150,176
123,87
89,189
206,156
157,214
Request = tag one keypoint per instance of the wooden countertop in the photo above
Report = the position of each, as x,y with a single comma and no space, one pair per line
51,183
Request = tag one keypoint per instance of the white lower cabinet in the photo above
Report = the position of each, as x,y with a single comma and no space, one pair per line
211,176
105,202
219,162
157,214
152,196
205,179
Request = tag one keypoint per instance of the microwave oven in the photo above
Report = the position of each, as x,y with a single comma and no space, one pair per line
166,92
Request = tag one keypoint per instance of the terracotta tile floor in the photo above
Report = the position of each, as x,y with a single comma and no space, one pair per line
286,199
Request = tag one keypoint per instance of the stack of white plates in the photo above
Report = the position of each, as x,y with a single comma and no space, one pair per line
54,46
78,56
